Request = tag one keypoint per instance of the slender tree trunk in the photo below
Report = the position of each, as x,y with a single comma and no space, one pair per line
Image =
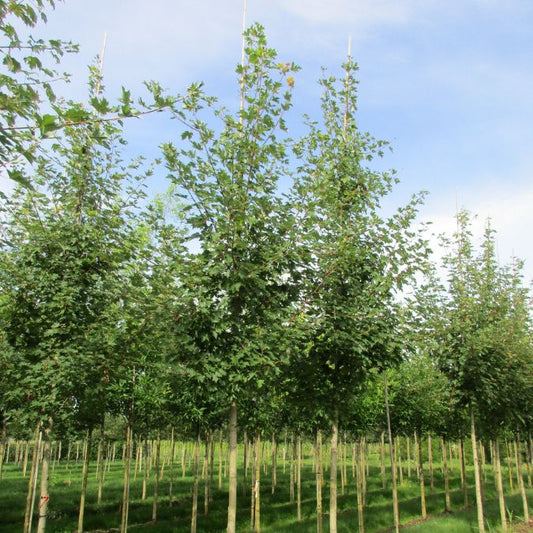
127,476
172,452
44,497
446,475
292,469
509,464
220,460
257,484
477,472
395,505
3,443
25,460
101,466
207,478
32,482
464,484
382,456
84,478
430,460
398,449
360,474
274,462
521,480
156,475
333,474
245,462
418,444
232,504
196,468
299,478
408,457
319,482
497,467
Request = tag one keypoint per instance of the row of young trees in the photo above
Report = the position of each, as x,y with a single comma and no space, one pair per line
223,295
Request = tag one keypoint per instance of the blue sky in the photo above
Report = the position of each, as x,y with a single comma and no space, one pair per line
449,84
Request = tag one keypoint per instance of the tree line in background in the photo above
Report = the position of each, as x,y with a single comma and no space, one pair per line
224,304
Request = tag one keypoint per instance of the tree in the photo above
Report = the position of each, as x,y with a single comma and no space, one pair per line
65,242
229,178
482,337
355,261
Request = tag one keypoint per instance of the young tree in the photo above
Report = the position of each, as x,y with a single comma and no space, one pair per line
355,260
229,179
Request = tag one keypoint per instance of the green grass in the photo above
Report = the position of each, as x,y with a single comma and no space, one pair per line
278,515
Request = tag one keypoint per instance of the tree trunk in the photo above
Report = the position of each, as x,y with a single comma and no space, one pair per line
196,468
171,482
101,467
319,482
446,475
257,484
398,449
395,506
464,484
477,472
3,442
84,478
127,475
408,457
299,478
207,478
509,464
232,504
220,459
245,462
274,462
430,460
498,480
32,482
418,445
333,474
382,456
521,480
156,475
44,497
360,475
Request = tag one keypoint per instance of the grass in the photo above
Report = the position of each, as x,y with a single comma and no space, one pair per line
278,515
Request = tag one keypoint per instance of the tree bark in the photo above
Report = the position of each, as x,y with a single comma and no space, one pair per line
319,482
274,462
44,498
521,481
232,504
3,441
395,505
156,475
84,478
299,478
477,472
196,467
257,484
464,484
498,480
446,475
418,444
171,481
127,476
333,474
101,466
32,482
360,475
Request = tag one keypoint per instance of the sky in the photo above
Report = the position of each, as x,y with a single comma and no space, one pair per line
448,84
